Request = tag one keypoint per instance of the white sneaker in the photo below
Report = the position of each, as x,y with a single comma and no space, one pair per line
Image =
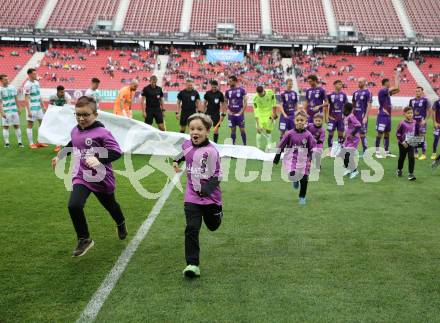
379,156
388,154
354,174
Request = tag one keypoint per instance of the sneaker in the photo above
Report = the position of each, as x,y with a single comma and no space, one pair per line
354,173
379,156
20,145
411,177
191,271
7,145
435,163
423,157
33,146
399,173
346,172
295,185
416,156
302,201
122,231
433,156
57,149
388,154
83,246
40,145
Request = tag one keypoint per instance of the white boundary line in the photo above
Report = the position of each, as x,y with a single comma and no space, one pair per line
94,306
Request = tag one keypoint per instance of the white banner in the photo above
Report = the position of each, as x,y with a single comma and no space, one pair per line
133,136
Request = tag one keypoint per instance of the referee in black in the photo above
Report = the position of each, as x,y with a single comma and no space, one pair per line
214,102
188,103
152,103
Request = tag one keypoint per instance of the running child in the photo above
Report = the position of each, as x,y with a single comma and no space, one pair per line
203,200
289,99
94,149
9,110
318,132
436,121
297,160
405,131
352,139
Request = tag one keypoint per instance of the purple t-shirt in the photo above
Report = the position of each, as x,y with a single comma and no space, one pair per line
318,134
88,143
202,163
315,96
404,129
235,97
361,99
337,102
420,108
436,110
289,100
299,146
384,101
352,125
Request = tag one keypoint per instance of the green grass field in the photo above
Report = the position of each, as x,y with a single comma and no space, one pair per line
361,252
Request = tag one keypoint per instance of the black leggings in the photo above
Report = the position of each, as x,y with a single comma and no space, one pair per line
304,181
402,156
349,163
78,199
212,216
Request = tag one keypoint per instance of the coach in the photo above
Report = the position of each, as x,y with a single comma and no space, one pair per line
152,103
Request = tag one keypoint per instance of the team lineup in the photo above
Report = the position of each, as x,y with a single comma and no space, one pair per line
302,139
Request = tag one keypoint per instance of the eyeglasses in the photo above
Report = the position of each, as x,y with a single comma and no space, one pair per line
84,115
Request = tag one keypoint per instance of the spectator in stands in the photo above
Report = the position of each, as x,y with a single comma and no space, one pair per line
124,100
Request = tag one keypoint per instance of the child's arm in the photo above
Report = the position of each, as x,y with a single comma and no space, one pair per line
113,150
399,135
321,137
357,126
177,160
62,154
283,143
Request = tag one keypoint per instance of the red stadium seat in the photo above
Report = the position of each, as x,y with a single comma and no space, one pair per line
9,63
20,13
424,16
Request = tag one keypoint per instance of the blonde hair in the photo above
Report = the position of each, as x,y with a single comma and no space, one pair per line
301,113
206,120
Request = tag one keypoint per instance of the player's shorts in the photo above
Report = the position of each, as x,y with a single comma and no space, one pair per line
35,115
236,121
383,123
154,114
437,131
337,124
266,122
215,118
12,119
287,124
184,115
420,129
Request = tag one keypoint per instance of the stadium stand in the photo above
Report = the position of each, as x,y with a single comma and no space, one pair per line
348,69
370,17
245,14
153,16
13,59
430,67
294,17
424,16
20,13
82,13
75,67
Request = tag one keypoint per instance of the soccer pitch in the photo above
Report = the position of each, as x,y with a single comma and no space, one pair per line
357,252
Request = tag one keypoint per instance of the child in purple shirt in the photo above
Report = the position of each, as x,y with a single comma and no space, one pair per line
405,131
318,132
352,139
94,149
203,200
297,159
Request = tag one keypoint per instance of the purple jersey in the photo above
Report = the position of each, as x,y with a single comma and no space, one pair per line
361,99
436,111
314,97
420,108
352,131
318,133
202,163
405,129
235,97
93,142
289,100
299,146
337,102
384,102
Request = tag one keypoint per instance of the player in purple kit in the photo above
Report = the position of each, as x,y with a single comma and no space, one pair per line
383,122
405,131
236,101
362,101
436,121
297,159
337,100
316,100
289,99
352,138
203,200
421,110
318,132
94,149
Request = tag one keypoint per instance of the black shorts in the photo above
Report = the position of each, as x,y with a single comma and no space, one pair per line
215,118
184,115
154,114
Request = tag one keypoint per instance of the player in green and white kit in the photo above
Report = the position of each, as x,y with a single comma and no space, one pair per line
9,110
265,110
34,105
94,92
